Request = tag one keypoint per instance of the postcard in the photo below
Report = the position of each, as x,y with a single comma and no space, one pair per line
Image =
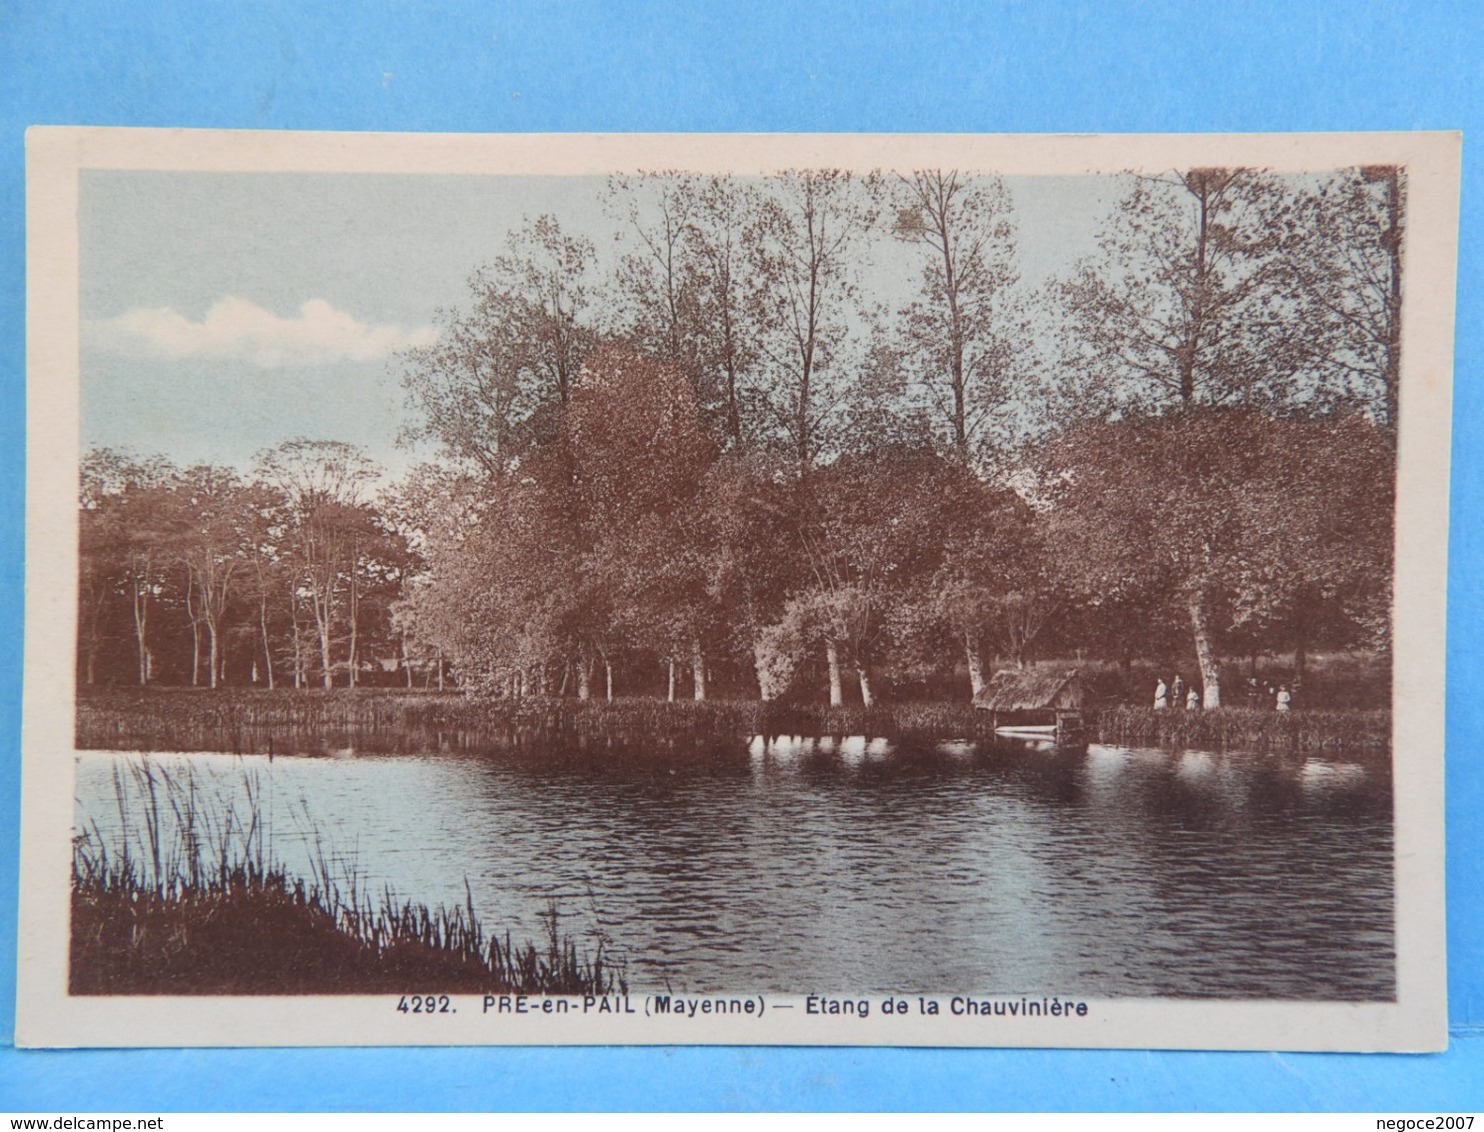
850,590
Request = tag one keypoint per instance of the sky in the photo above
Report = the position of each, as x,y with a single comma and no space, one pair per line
224,313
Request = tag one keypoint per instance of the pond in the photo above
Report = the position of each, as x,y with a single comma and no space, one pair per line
853,865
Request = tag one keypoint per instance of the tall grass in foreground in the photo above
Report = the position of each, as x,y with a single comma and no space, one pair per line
185,898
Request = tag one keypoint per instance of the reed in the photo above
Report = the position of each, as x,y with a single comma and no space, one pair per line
185,897
1258,729
246,721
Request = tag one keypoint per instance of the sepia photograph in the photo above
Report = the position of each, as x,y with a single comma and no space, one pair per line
871,590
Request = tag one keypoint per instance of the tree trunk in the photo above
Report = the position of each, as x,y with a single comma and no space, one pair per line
1393,327
141,617
976,663
299,680
324,656
761,669
671,696
94,635
864,675
195,653
353,661
440,670
608,678
698,668
584,692
1301,644
267,648
832,655
212,653
1205,656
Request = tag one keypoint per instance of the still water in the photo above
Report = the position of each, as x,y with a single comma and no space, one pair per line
849,865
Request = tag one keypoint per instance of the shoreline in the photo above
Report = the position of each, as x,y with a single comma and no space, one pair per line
258,721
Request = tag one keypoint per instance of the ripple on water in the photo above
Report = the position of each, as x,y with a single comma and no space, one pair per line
856,863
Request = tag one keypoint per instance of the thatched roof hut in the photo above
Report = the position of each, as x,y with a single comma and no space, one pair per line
1032,690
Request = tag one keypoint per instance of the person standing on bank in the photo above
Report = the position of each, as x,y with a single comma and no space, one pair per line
1285,698
1193,700
1178,699
1161,695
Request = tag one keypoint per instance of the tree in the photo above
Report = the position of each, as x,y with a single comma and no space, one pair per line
959,335
992,585
872,533
211,539
687,298
809,226
657,287
749,508
588,547
123,548
492,385
323,481
631,454
1220,514
1324,572
718,241
1182,304
436,511
1343,257
266,573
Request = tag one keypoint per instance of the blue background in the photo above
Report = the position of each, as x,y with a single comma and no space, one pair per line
1000,66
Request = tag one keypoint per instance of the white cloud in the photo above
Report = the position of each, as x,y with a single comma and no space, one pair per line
235,329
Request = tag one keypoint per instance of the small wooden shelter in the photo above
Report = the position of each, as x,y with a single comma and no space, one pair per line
1035,700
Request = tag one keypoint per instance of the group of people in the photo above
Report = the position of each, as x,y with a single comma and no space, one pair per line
1177,695
1279,696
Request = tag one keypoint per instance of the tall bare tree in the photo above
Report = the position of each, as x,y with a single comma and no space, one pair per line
1343,253
960,333
325,482
493,383
686,296
810,227
1182,303
211,540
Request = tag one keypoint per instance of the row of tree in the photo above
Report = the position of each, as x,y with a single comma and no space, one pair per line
1191,427
634,541
725,461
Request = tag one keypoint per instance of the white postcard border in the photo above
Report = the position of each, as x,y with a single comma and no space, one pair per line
48,1016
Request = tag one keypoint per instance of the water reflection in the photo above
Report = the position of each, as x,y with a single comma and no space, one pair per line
849,863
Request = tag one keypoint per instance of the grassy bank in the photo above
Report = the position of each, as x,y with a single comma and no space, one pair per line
285,721
184,899
1243,727
251,720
